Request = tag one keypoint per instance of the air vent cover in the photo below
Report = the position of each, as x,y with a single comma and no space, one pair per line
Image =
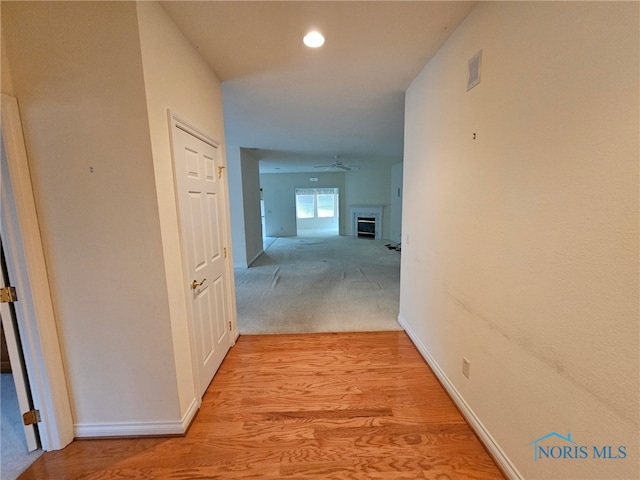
473,70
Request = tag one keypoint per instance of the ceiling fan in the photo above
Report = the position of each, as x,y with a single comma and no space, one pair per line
338,164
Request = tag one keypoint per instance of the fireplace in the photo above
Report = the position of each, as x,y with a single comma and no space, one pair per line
366,227
367,221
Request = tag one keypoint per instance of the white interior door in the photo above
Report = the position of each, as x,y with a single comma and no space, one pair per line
201,208
10,322
18,371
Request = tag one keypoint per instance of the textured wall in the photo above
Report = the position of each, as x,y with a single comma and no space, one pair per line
78,77
520,248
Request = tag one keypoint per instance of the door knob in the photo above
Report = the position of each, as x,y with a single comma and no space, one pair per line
196,284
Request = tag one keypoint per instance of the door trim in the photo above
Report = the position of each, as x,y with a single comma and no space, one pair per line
27,266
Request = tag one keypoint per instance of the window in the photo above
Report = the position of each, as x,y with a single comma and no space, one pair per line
316,202
326,205
305,206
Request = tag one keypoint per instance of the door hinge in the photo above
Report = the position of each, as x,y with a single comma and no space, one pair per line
230,329
220,168
31,417
225,252
8,295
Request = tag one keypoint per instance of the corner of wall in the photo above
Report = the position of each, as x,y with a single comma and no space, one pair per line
190,89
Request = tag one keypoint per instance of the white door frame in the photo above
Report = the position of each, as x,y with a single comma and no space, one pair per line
34,309
175,121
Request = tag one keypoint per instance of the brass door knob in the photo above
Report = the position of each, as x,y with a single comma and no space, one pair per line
195,284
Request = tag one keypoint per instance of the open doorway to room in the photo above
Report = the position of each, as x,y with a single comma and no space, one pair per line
317,211
266,240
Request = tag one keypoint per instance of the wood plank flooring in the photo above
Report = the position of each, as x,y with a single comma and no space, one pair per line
321,406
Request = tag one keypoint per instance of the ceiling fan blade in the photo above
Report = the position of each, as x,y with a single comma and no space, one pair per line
343,167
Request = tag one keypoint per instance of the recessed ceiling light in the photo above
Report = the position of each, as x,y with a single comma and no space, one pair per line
313,39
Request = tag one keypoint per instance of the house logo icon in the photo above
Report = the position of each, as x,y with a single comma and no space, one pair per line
565,441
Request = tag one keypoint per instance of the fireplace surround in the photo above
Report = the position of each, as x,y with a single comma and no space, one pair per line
366,221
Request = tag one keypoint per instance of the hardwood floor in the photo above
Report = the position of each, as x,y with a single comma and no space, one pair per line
321,406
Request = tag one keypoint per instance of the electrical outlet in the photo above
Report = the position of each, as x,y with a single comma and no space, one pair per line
466,365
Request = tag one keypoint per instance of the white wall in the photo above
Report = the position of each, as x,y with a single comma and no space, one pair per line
395,207
368,186
176,78
246,218
251,202
279,198
236,207
521,247
78,77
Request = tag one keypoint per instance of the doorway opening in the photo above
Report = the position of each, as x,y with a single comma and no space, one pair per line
266,241
317,211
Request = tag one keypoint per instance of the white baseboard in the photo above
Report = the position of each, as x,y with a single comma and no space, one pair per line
133,429
474,422
137,429
189,415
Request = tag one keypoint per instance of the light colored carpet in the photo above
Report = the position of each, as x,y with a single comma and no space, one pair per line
14,455
320,284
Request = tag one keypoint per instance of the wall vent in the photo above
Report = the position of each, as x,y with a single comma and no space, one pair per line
473,70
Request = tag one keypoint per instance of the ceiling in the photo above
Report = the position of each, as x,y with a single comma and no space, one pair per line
299,107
